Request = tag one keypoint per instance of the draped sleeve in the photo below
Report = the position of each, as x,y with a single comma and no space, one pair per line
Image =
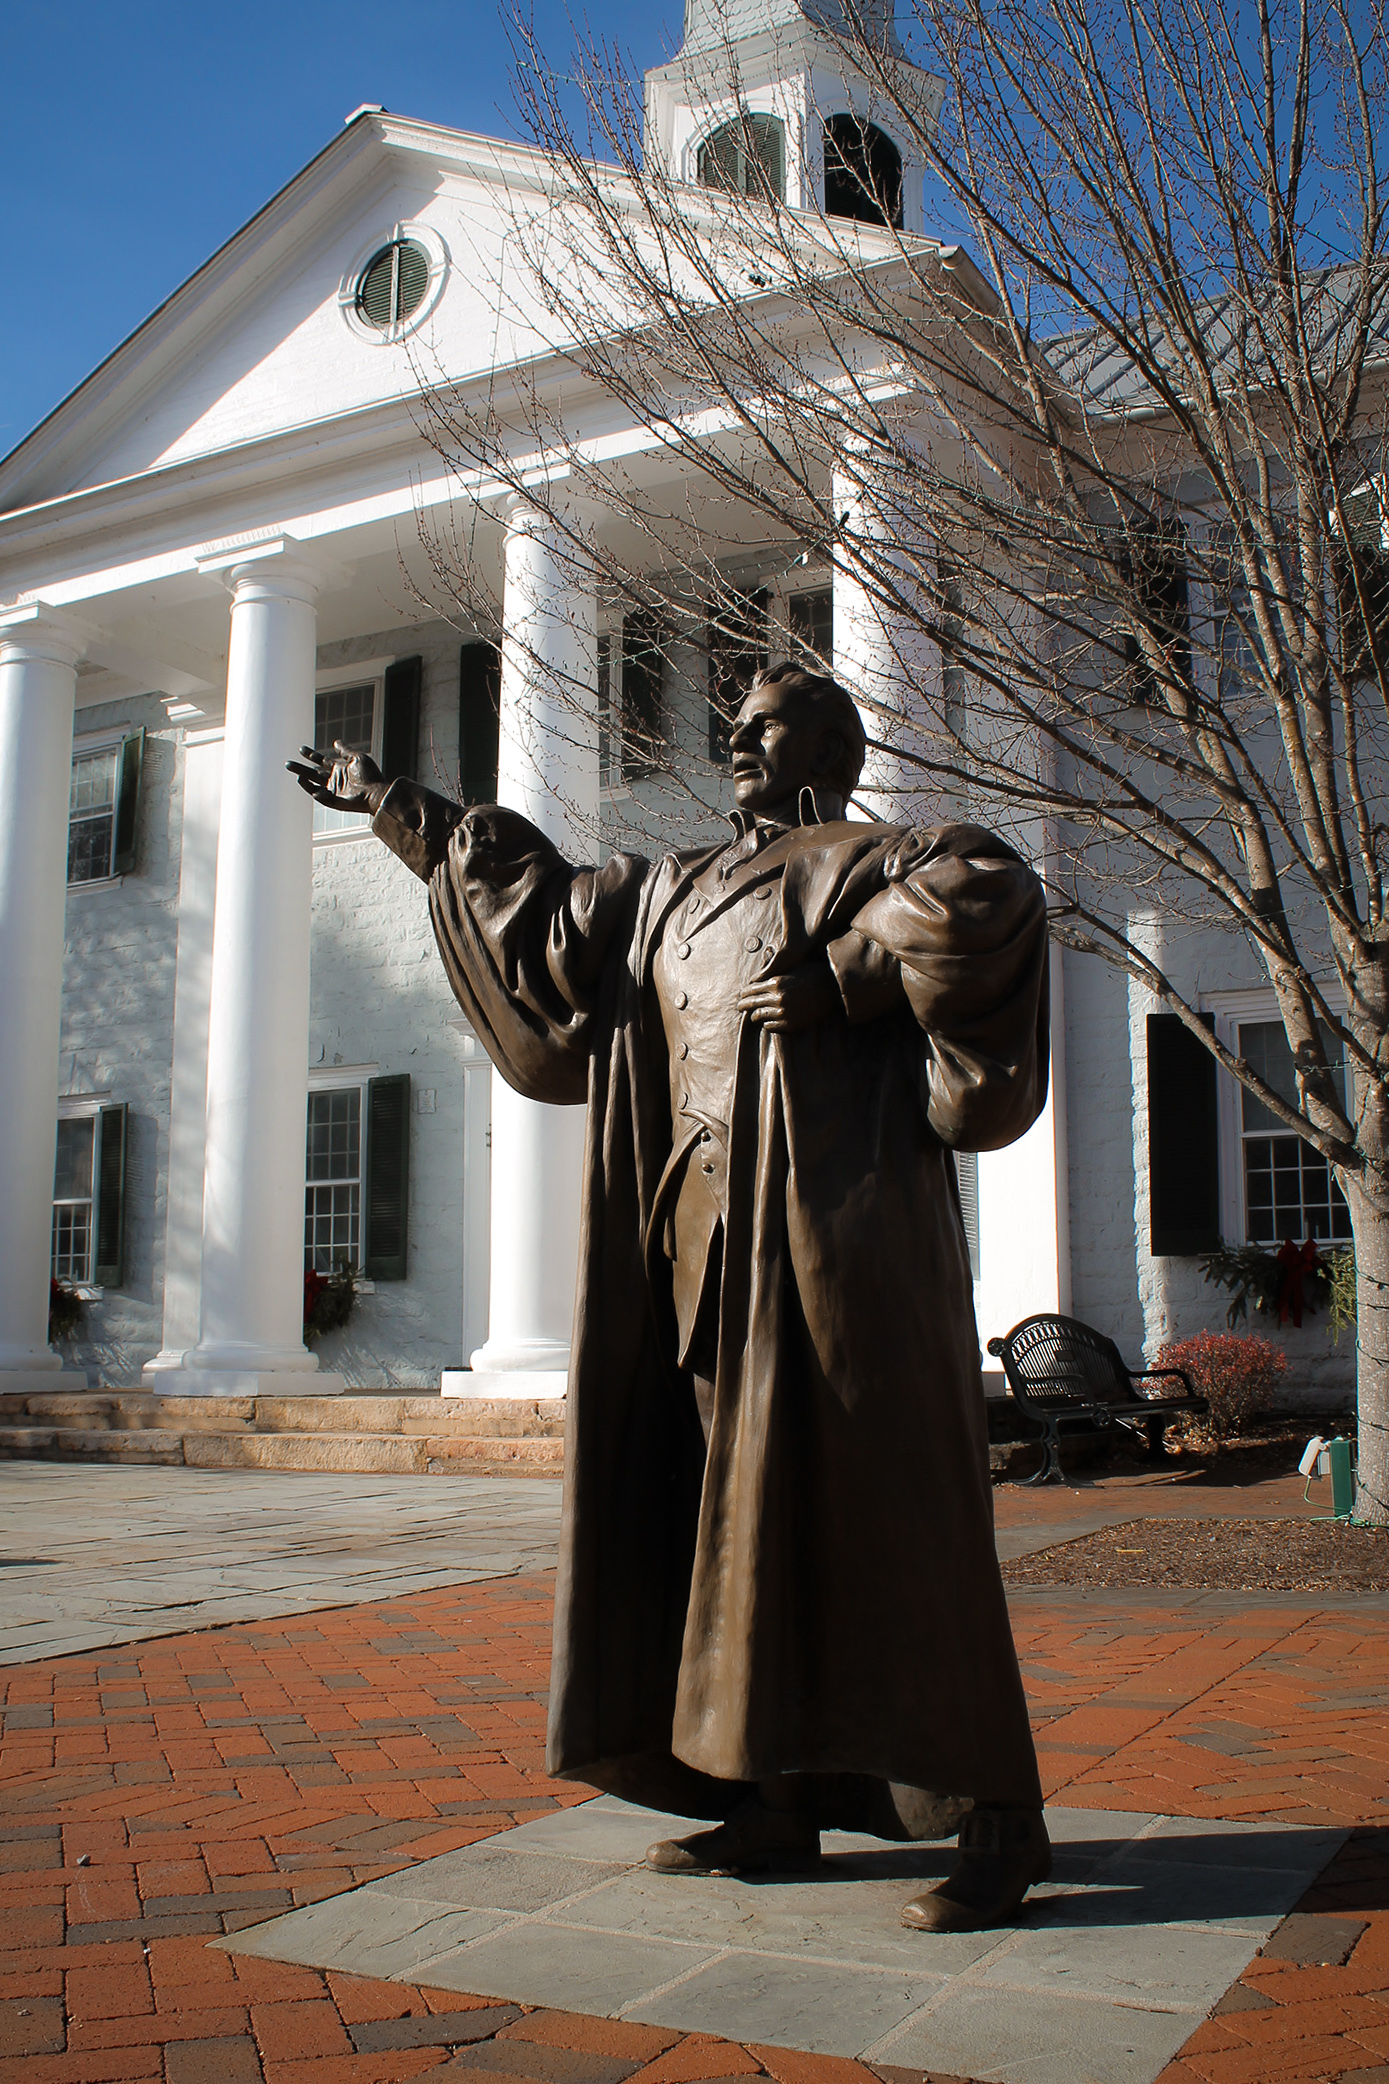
965,918
528,940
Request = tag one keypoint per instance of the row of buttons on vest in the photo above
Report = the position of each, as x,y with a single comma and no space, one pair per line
752,944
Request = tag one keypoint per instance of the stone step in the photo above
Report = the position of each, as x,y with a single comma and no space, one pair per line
433,1417
361,1453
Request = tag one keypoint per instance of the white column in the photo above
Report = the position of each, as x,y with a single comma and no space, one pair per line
881,653
547,769
38,687
258,1007
201,800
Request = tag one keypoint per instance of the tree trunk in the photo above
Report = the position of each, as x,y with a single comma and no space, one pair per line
1369,1215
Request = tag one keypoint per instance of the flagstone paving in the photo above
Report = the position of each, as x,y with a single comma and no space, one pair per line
94,1556
1145,1923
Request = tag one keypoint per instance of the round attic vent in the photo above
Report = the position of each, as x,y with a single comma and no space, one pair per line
393,284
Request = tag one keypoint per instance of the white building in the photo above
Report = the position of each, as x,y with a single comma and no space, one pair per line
209,554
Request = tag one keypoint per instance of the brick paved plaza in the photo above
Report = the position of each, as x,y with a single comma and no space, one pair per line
164,1793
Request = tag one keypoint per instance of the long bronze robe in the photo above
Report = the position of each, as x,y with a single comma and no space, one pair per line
817,1592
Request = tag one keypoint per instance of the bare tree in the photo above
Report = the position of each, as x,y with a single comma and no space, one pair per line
1121,447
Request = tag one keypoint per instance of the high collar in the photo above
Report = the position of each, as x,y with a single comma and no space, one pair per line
813,807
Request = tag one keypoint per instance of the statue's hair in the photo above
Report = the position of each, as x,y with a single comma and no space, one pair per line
834,706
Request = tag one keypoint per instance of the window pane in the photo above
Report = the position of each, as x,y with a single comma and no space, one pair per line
332,1222
333,1194
91,814
1291,1192
72,1241
72,1171
94,781
345,714
335,1135
811,620
1264,1047
72,1197
89,848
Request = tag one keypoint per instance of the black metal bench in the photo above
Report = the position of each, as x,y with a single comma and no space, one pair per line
1069,1378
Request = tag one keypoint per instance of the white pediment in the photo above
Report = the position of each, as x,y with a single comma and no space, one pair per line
263,338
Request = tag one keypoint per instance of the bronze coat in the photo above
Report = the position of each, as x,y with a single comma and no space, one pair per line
818,1593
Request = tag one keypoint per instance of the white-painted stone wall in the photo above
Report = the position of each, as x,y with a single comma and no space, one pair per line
1117,1285
118,996
379,997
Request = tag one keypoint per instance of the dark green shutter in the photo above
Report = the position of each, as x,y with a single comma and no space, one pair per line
109,1185
388,1177
479,696
1183,1140
128,771
400,727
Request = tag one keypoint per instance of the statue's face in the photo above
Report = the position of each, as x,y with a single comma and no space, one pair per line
777,749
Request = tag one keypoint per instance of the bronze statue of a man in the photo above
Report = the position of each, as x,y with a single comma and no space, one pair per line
779,1604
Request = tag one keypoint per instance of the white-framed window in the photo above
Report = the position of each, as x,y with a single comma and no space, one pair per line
1273,1184
1289,1189
348,707
334,1165
103,805
89,1192
357,1172
74,1196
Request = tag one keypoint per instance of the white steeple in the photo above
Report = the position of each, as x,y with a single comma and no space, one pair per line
709,24
769,94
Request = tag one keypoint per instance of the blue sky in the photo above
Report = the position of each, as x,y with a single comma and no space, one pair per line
137,137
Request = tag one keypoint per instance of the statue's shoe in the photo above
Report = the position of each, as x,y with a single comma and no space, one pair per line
1002,1853
755,1840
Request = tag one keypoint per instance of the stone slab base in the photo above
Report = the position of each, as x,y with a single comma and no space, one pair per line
1146,1921
242,1382
533,1385
34,1382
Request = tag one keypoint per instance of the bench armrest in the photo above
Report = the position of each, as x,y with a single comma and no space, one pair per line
1159,1374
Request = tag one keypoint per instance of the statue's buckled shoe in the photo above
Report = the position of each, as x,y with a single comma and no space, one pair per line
755,1840
1002,1853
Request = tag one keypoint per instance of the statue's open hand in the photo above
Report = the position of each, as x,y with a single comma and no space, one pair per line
808,995
342,779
